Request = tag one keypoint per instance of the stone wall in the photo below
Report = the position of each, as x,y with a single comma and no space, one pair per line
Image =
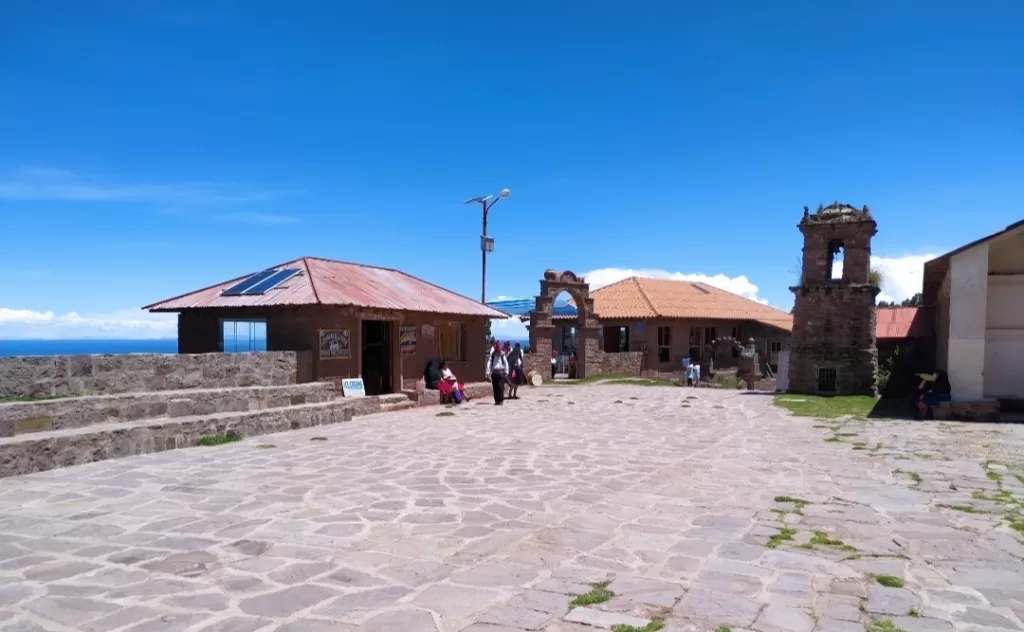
105,374
63,413
624,363
834,328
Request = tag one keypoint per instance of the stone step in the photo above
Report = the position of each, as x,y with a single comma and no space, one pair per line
18,418
41,451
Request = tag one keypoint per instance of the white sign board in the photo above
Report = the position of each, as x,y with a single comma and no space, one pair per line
353,387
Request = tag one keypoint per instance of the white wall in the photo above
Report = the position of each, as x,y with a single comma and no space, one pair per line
1004,337
968,297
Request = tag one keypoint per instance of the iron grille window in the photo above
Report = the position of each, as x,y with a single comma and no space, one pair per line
664,343
827,380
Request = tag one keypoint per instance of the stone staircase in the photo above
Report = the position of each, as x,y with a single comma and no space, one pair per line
39,435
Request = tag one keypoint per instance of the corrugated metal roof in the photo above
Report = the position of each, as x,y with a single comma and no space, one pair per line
328,282
893,323
523,306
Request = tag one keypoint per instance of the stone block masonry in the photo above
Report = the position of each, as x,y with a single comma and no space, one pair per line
18,418
104,374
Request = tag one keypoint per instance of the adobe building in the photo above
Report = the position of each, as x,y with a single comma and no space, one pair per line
649,325
347,320
833,350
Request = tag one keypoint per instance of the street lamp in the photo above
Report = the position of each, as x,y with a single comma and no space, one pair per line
486,243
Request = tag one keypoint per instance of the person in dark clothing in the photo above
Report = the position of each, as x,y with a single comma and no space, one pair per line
934,389
432,374
497,373
517,372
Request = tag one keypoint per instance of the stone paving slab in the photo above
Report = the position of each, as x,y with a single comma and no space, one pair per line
727,512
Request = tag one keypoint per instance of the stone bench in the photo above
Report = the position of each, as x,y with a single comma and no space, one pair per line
984,410
428,397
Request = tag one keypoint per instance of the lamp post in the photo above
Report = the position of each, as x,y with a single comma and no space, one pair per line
486,243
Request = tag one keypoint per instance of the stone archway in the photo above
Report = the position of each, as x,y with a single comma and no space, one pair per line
542,327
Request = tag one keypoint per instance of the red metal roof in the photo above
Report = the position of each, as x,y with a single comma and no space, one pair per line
903,322
328,282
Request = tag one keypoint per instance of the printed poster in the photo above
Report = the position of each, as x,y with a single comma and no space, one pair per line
407,339
335,344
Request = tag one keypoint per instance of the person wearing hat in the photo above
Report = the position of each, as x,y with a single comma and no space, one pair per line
497,372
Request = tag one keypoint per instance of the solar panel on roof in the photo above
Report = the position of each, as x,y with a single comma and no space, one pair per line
269,283
242,286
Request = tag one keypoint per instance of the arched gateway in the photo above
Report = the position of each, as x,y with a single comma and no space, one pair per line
542,327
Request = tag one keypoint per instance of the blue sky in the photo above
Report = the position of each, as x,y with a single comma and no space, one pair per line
152,148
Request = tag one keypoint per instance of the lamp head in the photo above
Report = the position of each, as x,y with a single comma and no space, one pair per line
504,193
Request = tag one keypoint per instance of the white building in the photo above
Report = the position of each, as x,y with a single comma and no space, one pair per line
978,294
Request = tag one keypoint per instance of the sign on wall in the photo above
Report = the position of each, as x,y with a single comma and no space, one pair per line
407,339
353,387
428,332
335,344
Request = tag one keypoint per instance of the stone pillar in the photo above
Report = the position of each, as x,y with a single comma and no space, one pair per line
541,353
968,294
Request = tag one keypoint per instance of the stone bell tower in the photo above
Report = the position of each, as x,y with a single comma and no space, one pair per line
833,347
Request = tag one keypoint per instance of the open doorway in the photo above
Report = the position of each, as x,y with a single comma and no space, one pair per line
376,357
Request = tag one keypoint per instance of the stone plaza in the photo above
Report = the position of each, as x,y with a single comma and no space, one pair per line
674,509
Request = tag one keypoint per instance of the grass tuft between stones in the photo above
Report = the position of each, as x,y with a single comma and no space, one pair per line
318,439
913,613
723,628
445,413
229,437
884,625
963,508
266,446
821,539
653,626
598,593
785,535
889,581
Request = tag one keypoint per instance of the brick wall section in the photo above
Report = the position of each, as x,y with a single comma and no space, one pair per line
104,374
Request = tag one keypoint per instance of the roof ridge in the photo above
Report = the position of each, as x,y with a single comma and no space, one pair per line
354,263
647,299
312,280
715,288
213,285
443,289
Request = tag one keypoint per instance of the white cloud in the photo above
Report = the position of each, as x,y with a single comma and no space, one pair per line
51,184
737,285
134,323
902,277
510,329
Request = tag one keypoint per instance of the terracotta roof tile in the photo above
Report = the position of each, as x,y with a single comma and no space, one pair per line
328,282
639,298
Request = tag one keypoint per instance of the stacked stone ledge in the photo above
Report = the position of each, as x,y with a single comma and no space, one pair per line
116,406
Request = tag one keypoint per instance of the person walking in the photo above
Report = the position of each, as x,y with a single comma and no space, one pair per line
497,372
517,375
